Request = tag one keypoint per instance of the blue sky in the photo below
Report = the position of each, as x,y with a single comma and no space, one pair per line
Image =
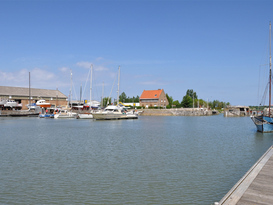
217,48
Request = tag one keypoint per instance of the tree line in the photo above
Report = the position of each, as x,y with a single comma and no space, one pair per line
188,101
191,100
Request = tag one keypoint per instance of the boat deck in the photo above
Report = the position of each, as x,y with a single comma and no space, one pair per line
256,186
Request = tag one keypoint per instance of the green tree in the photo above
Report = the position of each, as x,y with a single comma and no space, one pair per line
187,101
176,103
105,100
122,97
191,93
170,100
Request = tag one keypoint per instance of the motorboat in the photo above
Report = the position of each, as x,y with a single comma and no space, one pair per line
11,104
65,114
43,103
32,106
47,113
113,112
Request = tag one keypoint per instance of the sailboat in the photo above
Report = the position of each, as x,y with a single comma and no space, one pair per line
264,122
115,112
88,114
65,113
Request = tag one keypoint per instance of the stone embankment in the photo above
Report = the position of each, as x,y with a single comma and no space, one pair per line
178,112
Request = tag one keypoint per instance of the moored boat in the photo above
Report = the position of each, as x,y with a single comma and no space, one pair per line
65,114
43,103
264,122
114,113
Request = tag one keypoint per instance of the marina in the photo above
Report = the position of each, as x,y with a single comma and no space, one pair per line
152,160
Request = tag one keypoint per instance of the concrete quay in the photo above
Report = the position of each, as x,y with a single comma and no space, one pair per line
178,112
18,113
255,187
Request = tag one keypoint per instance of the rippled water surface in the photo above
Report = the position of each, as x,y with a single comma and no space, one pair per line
152,160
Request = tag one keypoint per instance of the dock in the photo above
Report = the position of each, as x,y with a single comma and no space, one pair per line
256,186
18,113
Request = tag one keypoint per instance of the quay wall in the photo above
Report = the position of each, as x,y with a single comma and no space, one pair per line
177,112
18,113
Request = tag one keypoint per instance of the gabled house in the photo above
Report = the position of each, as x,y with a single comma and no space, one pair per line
153,98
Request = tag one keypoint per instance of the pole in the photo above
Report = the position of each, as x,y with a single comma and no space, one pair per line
118,84
71,88
91,84
57,98
102,94
269,67
29,88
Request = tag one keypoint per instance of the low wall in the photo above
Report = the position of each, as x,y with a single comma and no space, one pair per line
178,112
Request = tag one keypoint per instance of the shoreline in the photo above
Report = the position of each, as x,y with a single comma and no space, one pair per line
178,112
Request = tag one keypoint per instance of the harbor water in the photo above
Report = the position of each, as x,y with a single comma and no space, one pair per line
152,160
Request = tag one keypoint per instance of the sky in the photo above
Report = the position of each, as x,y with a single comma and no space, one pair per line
218,48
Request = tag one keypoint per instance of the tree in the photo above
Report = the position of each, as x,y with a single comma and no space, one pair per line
105,100
170,100
176,103
187,101
191,94
122,97
188,98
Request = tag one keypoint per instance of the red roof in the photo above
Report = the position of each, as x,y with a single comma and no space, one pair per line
151,94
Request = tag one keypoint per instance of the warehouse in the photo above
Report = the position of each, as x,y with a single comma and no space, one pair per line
27,96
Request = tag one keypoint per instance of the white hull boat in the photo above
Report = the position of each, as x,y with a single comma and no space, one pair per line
114,113
65,114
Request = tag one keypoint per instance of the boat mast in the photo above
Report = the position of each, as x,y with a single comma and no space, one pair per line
102,94
29,89
91,84
269,67
71,88
118,84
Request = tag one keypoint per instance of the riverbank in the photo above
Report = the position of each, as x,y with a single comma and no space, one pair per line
178,112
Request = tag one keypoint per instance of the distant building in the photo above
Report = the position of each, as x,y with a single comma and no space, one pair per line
236,111
32,95
153,98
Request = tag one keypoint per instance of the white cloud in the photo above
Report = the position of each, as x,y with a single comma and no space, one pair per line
84,64
100,68
42,75
64,69
39,78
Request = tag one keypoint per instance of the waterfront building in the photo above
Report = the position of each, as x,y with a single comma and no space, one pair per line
153,98
27,96
236,111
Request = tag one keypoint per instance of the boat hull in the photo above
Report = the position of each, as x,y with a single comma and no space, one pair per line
46,115
44,105
65,115
85,116
110,116
264,124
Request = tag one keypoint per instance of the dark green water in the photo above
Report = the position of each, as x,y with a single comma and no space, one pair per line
152,160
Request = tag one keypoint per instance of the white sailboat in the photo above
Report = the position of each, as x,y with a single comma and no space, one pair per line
113,112
88,113
63,113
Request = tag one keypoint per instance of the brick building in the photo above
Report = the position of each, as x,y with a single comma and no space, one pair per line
32,95
153,98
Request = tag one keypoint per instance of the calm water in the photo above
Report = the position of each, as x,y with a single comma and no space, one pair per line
152,160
